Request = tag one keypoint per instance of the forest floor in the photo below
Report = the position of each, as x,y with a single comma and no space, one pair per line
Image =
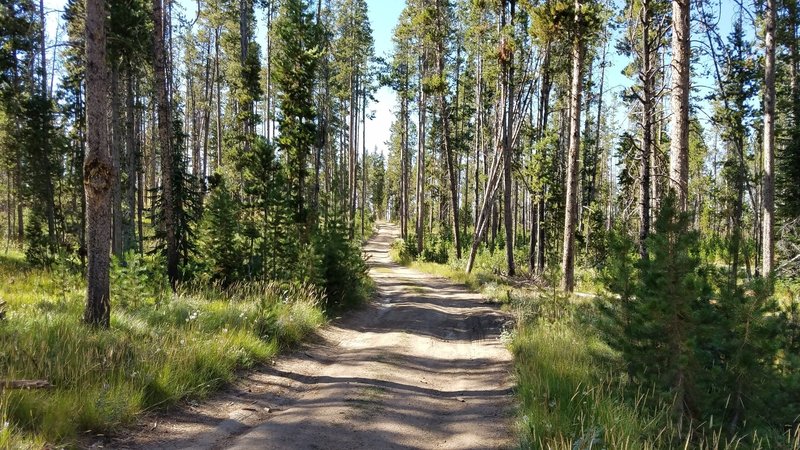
421,366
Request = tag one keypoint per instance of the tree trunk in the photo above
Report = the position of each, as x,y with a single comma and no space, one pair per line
448,146
681,66
116,156
404,166
218,81
647,77
131,154
363,158
208,100
351,156
508,117
571,210
544,116
165,143
478,135
768,180
420,225
98,171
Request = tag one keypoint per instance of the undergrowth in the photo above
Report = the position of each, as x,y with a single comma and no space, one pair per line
572,388
161,347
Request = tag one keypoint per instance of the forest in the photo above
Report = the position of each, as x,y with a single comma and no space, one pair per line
186,192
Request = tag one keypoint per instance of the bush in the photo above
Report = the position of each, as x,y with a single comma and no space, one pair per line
399,252
38,248
139,281
345,274
708,344
435,250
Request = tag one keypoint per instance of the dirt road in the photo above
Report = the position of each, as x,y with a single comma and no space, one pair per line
420,367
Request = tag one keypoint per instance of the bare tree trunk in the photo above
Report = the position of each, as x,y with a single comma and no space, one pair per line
165,142
420,225
768,180
208,99
98,171
131,150
363,158
116,144
448,146
486,215
478,135
681,66
404,169
508,116
48,181
544,116
597,148
571,211
351,157
647,77
140,174
218,81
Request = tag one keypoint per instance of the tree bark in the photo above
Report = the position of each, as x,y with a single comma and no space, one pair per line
768,179
98,171
571,210
404,169
116,156
544,116
647,75
448,145
508,117
420,225
131,154
218,81
165,144
679,140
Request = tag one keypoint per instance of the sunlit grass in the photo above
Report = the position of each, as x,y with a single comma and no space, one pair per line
572,389
156,353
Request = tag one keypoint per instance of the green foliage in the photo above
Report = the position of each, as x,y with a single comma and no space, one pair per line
789,366
435,249
552,304
137,280
220,241
345,274
38,248
377,187
708,346
400,253
569,393
295,65
741,348
655,317
187,207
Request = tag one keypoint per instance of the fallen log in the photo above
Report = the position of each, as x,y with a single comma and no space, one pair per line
24,384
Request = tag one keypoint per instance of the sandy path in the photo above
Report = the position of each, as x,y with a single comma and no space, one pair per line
420,367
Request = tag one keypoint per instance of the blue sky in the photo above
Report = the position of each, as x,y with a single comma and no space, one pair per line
383,16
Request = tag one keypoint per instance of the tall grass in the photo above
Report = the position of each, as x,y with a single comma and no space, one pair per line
572,389
158,350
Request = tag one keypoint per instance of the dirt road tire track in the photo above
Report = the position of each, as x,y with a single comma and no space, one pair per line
422,366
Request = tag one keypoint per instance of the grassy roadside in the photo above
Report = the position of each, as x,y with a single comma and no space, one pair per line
161,348
572,390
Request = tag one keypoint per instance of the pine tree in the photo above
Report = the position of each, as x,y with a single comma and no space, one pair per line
658,314
221,233
295,66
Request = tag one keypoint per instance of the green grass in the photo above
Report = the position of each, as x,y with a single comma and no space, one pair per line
158,351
